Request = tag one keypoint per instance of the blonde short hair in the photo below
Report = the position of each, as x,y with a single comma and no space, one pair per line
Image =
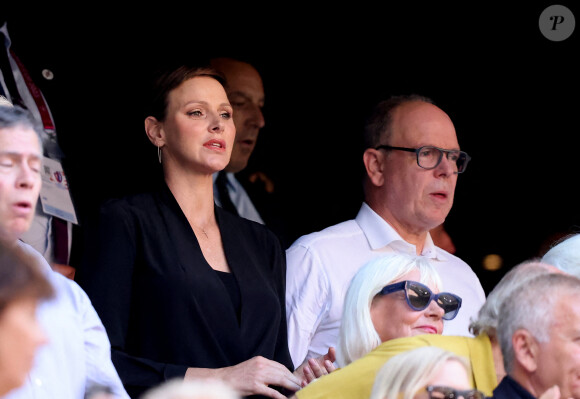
403,375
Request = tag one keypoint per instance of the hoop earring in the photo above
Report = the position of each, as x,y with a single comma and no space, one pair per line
159,153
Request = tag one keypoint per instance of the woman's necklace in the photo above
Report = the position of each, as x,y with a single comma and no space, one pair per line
197,227
203,231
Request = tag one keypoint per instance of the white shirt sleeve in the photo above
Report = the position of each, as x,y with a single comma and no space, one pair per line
78,353
99,366
307,300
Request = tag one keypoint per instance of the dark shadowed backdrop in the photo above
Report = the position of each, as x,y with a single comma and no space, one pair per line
511,92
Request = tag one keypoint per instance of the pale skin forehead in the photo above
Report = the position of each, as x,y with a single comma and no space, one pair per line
421,123
452,374
200,89
568,310
20,140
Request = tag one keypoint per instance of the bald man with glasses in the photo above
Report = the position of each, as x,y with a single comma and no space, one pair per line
412,160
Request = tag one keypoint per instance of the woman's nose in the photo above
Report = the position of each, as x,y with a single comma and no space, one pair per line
434,310
217,125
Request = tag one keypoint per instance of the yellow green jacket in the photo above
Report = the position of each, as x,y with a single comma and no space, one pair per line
356,380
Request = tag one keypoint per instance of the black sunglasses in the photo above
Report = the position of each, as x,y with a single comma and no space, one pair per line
419,296
429,157
441,392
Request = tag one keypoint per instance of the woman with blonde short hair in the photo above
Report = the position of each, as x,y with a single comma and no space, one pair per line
426,372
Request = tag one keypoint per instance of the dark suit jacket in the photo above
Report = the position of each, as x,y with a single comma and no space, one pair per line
165,308
508,388
270,207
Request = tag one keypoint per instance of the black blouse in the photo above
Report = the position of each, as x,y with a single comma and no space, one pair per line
165,309
233,290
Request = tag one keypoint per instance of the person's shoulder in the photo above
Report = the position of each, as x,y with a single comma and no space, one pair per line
133,204
68,289
416,341
131,200
244,226
449,257
352,381
62,284
29,250
340,231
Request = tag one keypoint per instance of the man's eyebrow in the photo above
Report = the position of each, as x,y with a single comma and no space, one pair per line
238,93
243,94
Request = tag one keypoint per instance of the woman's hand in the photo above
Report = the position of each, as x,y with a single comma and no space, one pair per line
314,368
253,377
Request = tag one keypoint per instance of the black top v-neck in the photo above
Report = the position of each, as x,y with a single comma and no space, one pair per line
233,290
165,309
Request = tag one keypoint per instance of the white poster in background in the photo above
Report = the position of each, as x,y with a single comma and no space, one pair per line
54,195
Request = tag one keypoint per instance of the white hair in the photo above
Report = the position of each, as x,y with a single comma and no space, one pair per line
357,335
192,389
533,308
488,315
565,255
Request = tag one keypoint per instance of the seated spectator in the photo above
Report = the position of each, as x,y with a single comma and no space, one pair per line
390,297
483,352
565,255
22,287
412,161
78,354
192,389
250,194
425,372
538,335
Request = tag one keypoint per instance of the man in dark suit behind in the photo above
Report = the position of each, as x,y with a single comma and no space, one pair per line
251,195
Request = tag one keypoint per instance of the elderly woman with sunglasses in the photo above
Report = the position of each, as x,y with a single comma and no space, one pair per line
425,373
355,381
393,296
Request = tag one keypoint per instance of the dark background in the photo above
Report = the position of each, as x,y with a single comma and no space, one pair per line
512,94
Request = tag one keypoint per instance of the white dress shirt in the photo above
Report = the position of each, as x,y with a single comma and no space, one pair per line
239,197
321,265
78,354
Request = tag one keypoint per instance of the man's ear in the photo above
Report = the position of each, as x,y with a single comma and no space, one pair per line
155,131
374,165
526,350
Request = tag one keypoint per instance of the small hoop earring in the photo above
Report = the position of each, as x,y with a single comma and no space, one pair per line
159,153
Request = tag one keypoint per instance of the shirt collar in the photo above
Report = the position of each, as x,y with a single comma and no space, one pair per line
381,234
232,182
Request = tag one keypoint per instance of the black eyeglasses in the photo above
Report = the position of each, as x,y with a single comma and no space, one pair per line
441,392
429,157
419,296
